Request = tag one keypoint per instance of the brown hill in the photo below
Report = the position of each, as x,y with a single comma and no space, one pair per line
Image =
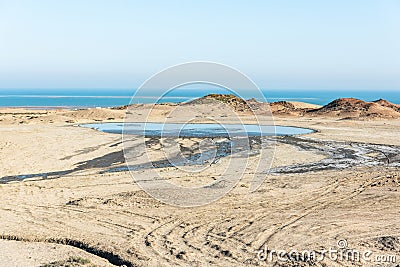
356,108
386,103
259,108
343,108
239,104
284,107
232,101
291,108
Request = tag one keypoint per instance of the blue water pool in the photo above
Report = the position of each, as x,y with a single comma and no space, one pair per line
197,129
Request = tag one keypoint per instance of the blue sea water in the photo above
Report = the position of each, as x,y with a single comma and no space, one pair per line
76,98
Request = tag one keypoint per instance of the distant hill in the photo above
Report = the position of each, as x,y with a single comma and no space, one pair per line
252,105
237,103
386,103
291,108
356,108
342,108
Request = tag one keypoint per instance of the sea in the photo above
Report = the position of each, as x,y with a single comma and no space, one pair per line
83,98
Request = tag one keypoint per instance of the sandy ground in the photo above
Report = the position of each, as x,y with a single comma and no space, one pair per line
19,253
57,203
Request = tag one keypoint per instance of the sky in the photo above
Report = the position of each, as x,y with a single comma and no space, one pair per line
280,44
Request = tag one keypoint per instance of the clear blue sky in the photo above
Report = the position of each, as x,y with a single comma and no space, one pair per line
280,44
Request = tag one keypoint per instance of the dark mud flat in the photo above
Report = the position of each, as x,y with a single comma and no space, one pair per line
339,155
196,154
